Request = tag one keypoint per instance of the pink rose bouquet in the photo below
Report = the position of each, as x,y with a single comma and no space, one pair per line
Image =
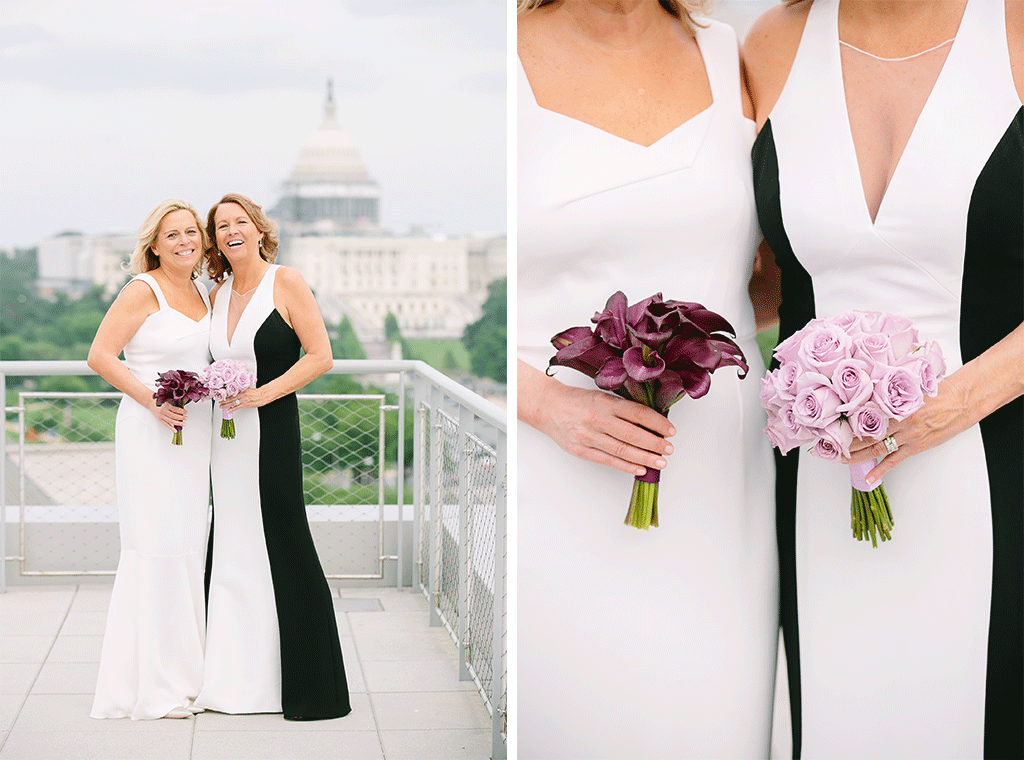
653,352
847,377
226,378
177,387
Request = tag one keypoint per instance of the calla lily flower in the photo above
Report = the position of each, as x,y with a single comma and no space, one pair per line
654,352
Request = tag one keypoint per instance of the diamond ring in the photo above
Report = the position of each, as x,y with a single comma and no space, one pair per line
238,402
890,444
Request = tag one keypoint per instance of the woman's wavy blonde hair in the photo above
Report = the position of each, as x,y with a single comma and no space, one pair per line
143,259
217,266
680,9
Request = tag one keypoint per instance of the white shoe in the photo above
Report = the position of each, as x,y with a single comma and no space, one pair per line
179,712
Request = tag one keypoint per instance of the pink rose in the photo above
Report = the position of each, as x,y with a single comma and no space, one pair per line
786,351
873,348
852,381
869,321
899,393
785,379
869,422
833,442
816,404
792,427
823,348
901,333
849,322
777,437
770,400
928,363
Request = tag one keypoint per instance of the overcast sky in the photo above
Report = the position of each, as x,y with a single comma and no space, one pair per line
108,107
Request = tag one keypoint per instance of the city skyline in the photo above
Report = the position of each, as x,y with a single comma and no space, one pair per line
112,108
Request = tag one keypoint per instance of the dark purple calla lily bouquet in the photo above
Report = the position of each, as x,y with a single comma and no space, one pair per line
177,387
653,352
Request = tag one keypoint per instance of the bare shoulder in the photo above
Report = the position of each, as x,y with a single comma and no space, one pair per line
1015,41
137,295
291,279
768,53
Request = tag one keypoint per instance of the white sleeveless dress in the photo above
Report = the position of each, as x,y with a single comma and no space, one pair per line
659,643
152,657
913,649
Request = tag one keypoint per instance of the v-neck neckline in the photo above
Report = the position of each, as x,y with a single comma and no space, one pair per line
853,161
241,316
703,114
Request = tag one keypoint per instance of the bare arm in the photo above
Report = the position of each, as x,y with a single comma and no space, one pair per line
294,300
131,308
765,287
594,425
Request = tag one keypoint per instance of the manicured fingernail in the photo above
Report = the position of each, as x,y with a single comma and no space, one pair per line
671,431
870,480
668,448
659,463
639,471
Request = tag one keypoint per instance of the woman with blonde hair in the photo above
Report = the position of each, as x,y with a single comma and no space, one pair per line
634,175
152,660
273,643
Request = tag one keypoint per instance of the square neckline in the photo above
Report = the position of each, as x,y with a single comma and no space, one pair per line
161,299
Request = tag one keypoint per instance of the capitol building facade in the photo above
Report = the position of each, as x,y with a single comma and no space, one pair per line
329,220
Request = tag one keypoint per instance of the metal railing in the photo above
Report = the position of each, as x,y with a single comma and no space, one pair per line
457,556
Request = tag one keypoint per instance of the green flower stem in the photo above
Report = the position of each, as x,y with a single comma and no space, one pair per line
643,505
870,514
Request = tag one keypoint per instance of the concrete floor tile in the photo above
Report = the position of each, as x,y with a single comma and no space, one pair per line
10,706
414,675
18,677
344,629
438,744
25,648
37,599
410,619
61,713
76,649
404,644
360,719
353,667
17,623
405,601
67,678
92,599
46,745
430,710
287,745
84,624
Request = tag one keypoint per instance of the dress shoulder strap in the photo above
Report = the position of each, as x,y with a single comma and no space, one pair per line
719,47
203,293
151,281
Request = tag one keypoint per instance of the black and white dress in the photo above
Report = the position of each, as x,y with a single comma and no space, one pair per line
272,639
912,649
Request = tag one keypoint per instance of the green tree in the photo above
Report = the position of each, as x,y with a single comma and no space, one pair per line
391,330
346,345
486,340
393,334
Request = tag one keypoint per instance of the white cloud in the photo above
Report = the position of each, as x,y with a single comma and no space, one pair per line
109,107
